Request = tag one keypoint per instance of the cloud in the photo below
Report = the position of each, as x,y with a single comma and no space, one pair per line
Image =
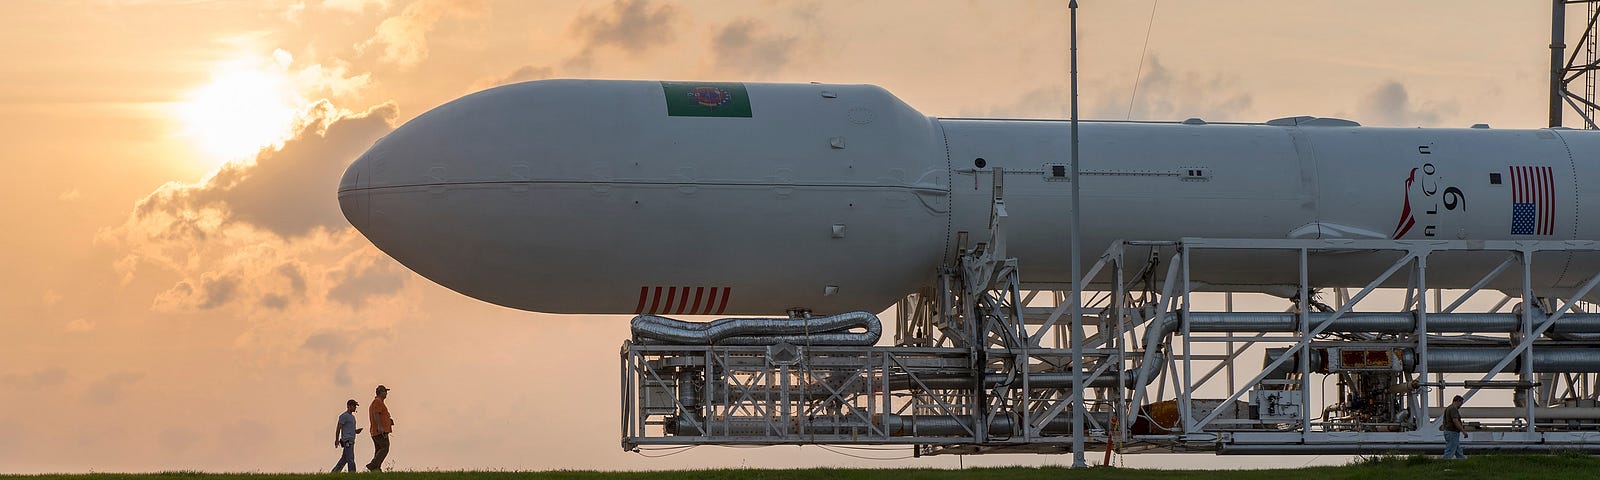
275,301
342,341
1173,95
289,191
404,38
1163,94
211,291
294,278
747,46
252,231
297,280
355,6
51,297
80,325
366,278
335,80
1391,104
338,346
341,375
521,74
330,344
633,26
262,246
109,389
126,266
1043,102
70,195
42,378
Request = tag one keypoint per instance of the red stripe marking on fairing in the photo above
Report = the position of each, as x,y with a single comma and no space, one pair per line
643,292
711,301
672,294
655,300
683,300
698,292
726,292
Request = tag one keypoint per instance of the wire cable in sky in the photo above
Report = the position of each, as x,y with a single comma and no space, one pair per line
1142,51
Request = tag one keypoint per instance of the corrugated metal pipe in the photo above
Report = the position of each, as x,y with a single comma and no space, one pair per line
891,424
1385,322
1468,360
1441,360
846,329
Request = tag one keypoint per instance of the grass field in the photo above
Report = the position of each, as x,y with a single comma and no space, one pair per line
1555,467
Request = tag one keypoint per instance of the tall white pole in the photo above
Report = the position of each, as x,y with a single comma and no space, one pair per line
1077,267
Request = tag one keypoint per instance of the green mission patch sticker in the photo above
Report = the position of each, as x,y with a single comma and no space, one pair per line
706,99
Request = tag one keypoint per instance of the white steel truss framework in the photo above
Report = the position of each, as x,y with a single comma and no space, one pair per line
982,365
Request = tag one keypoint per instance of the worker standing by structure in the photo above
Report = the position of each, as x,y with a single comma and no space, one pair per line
1453,429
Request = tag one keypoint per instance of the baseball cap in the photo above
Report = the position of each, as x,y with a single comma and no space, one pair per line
382,388
352,402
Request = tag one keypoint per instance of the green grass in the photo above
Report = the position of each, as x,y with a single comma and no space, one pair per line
1548,467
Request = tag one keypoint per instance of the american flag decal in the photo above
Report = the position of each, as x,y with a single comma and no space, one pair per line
1533,206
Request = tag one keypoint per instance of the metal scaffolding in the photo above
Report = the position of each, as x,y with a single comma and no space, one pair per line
1565,69
981,364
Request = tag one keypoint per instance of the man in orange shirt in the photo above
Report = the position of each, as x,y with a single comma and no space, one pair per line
382,424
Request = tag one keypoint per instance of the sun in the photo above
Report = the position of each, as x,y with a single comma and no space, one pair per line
244,108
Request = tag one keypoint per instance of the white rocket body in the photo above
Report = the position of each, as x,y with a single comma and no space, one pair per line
592,196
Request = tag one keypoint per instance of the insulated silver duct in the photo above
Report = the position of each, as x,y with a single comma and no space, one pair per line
1385,322
1035,380
1541,413
1469,360
893,424
828,330
1154,359
1377,448
1440,359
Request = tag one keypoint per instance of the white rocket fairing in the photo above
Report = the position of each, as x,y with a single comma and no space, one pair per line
590,196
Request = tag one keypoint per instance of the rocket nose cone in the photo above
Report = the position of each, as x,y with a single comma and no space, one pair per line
353,196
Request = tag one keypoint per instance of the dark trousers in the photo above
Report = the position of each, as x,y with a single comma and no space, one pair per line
380,450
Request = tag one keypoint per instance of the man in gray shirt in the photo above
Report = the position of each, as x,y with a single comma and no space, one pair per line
1453,429
345,437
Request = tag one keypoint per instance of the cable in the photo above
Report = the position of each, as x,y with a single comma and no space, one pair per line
659,449
677,450
825,447
1142,52
870,448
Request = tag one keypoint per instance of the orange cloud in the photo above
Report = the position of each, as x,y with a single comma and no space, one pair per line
521,74
1391,104
633,26
263,243
288,191
355,6
404,38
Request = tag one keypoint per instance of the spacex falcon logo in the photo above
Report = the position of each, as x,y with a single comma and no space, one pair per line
1407,220
1430,201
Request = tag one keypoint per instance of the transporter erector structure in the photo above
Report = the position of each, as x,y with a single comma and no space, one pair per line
790,212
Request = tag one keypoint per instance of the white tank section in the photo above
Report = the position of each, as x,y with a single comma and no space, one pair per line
1302,178
592,196
583,196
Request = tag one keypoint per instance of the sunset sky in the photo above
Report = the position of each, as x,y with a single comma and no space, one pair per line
181,292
